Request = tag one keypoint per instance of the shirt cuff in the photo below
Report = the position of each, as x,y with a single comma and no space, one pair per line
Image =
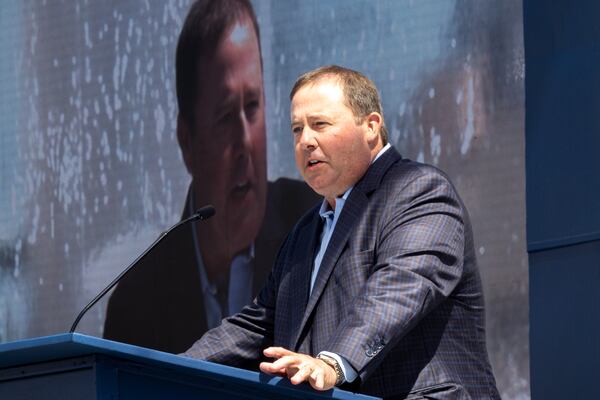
349,373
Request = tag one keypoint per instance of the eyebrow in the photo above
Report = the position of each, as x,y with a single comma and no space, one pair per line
310,118
230,100
225,104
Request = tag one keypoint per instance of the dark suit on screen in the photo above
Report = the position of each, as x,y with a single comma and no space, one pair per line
398,293
160,304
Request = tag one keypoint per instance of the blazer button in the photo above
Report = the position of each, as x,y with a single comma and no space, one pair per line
369,353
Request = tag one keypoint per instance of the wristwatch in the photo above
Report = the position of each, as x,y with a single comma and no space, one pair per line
332,362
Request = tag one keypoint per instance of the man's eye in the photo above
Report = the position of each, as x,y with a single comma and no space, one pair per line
251,109
296,130
225,117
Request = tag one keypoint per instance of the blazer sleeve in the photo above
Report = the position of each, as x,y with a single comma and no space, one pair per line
418,261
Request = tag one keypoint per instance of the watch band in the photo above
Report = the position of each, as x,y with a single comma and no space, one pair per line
332,362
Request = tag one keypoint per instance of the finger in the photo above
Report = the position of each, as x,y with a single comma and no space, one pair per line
320,381
284,363
268,368
277,352
316,379
303,373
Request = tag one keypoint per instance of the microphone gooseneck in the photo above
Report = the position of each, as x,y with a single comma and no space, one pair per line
201,214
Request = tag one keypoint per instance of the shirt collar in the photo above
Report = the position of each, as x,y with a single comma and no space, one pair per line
383,150
326,210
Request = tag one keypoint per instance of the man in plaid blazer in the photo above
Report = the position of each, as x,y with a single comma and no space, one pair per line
378,289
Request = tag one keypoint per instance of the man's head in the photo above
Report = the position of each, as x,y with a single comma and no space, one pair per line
338,128
221,123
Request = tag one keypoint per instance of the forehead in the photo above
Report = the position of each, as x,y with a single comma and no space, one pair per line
330,85
234,67
240,33
237,47
324,94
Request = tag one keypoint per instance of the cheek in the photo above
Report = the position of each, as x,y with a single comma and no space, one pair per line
299,158
211,166
258,134
210,173
259,146
258,160
352,157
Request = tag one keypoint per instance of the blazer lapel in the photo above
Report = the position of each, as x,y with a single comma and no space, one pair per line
300,275
353,209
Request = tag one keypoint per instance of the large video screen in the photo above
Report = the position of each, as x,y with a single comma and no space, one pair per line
94,164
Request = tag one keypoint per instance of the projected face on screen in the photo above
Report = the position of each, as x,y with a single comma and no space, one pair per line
225,150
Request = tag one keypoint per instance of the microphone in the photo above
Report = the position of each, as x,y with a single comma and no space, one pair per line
201,214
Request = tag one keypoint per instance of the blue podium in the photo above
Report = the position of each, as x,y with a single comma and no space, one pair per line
75,366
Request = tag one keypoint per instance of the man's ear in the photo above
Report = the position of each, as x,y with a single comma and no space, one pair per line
374,125
184,137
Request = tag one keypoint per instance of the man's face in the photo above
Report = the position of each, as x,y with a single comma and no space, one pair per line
225,149
332,151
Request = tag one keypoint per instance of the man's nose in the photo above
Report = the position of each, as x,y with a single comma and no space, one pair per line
307,139
242,140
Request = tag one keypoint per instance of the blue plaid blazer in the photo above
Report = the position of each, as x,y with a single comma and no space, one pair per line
398,293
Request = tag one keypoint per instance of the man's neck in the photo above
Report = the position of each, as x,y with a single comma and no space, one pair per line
216,257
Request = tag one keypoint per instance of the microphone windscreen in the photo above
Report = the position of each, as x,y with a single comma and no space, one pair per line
205,212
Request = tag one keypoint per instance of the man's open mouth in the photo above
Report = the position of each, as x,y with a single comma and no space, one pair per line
312,163
241,188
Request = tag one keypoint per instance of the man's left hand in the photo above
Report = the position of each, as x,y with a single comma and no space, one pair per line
299,368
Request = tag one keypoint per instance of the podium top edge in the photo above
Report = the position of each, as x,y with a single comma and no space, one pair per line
72,345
